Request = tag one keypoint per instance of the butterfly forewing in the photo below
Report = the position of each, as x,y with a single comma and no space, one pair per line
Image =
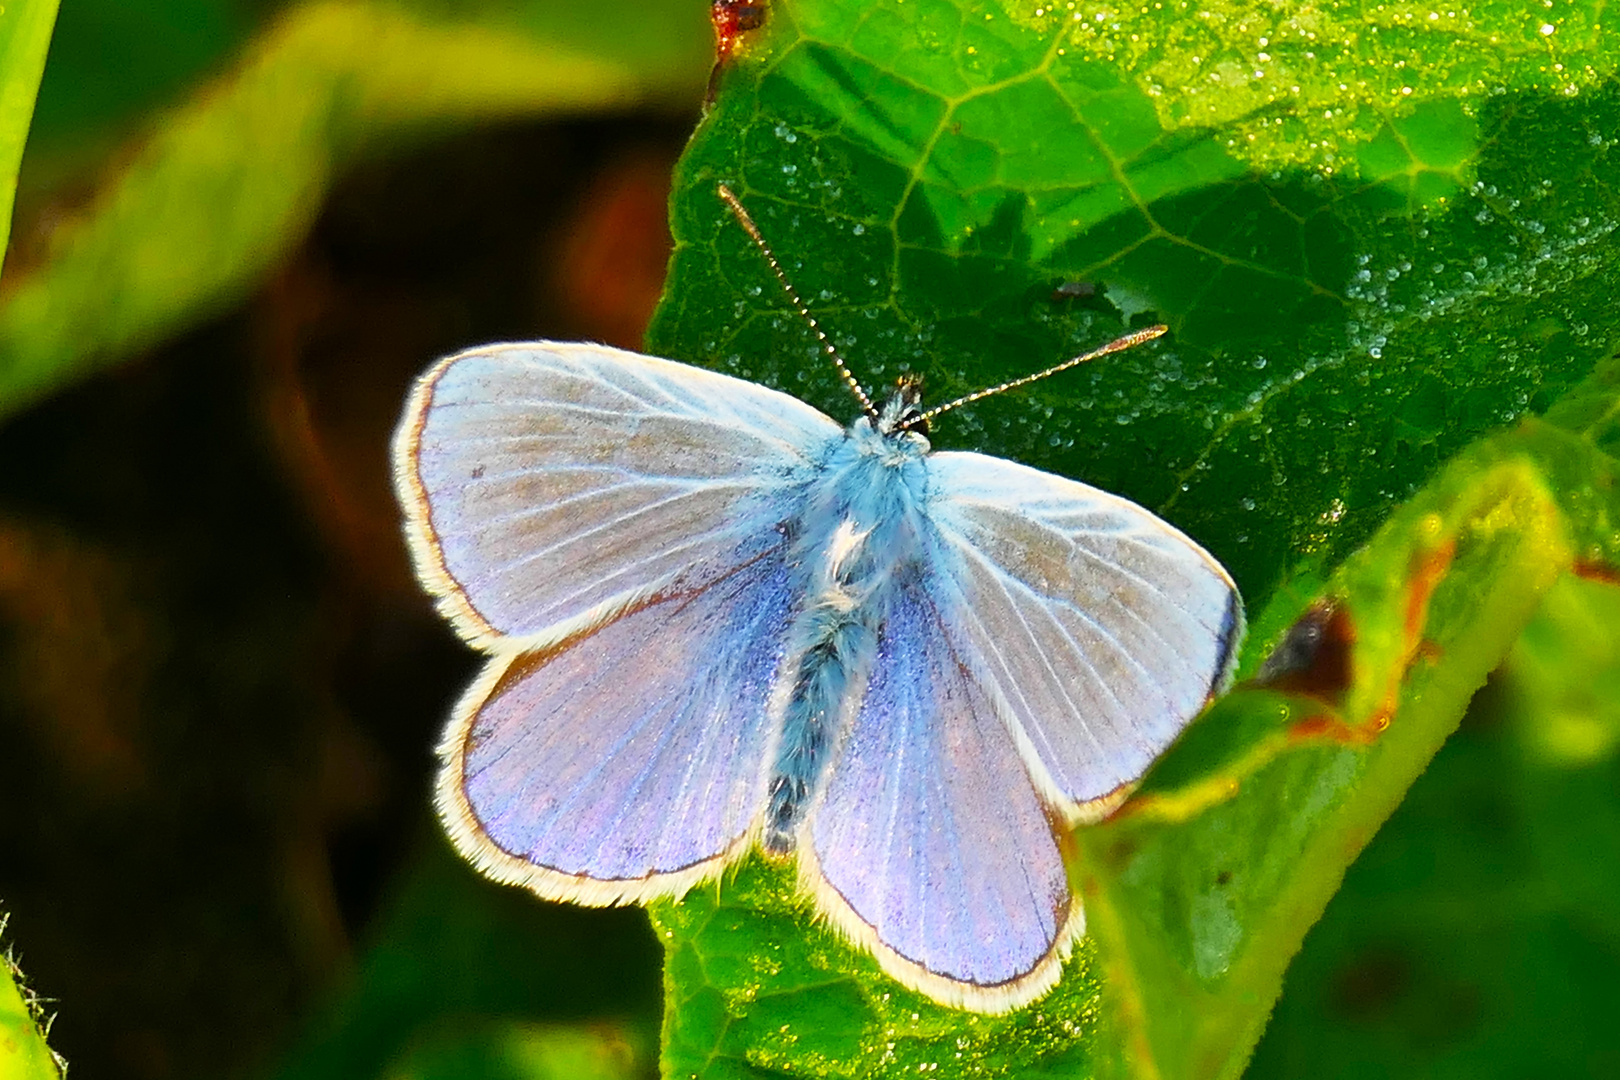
546,483
930,845
1100,629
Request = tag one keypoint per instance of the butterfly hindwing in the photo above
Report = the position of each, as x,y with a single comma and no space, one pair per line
1100,629
544,484
929,843
628,762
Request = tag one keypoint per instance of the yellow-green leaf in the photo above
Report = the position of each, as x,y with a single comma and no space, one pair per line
25,32
23,1053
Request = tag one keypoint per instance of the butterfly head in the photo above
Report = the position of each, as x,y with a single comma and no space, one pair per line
902,413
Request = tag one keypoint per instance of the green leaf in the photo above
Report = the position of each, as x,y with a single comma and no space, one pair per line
228,183
1477,936
25,33
753,987
23,1053
1201,888
1374,241
931,171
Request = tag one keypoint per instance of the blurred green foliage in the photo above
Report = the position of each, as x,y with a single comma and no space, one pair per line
458,973
325,83
1380,238
113,63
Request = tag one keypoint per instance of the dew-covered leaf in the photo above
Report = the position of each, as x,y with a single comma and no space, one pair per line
1376,239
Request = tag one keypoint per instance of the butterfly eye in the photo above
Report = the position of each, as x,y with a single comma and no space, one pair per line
903,411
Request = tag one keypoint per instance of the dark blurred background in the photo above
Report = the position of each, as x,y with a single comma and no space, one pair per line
220,685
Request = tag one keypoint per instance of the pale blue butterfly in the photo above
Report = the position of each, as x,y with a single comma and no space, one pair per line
717,619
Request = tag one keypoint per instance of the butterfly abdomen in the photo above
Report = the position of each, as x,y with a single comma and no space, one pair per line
840,645
859,527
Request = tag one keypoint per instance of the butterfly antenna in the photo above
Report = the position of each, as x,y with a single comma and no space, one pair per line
1135,337
798,305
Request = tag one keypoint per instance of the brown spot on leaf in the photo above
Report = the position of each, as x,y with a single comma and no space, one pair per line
1313,657
731,19
1427,569
1075,290
1597,571
1332,728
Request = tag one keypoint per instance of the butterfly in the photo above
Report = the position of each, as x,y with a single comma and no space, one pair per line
718,620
